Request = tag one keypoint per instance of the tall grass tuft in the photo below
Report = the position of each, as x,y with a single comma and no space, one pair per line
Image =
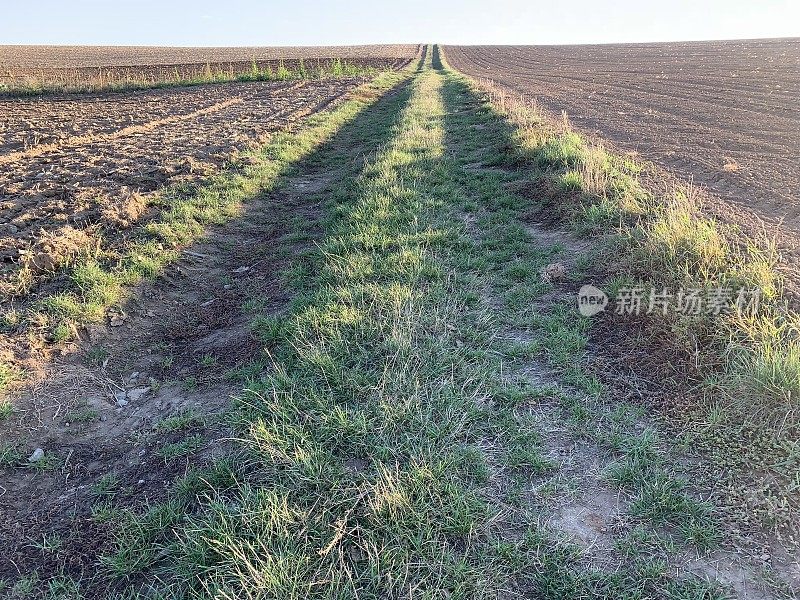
668,239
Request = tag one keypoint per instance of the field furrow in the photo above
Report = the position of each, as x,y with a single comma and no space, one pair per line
726,114
105,178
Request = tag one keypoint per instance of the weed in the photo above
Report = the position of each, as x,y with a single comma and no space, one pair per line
50,543
571,181
25,586
182,420
190,383
49,462
208,360
187,75
96,355
174,450
104,512
106,486
6,409
10,455
84,414
8,375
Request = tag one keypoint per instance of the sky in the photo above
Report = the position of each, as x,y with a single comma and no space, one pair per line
307,22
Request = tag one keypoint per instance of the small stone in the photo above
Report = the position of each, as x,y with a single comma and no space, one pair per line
136,393
120,397
141,482
118,319
553,272
765,557
37,455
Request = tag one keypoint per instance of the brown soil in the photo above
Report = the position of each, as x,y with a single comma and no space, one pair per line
726,114
182,338
93,160
97,68
38,57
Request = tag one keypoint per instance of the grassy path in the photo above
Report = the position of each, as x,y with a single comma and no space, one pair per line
423,427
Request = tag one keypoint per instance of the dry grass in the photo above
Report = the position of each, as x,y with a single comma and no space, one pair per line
670,240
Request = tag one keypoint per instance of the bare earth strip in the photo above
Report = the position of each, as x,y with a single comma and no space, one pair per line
726,114
84,140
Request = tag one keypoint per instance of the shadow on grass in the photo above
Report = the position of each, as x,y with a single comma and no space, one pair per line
40,513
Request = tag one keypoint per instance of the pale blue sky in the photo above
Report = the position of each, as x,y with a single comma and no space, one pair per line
307,22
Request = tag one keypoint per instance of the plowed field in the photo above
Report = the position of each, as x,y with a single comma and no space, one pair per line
98,67
89,162
726,114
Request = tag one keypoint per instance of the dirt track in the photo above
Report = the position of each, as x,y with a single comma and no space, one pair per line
726,114
76,161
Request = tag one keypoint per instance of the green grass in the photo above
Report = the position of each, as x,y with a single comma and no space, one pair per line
107,485
83,414
376,445
6,410
49,543
93,285
184,419
174,450
744,390
8,375
10,455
